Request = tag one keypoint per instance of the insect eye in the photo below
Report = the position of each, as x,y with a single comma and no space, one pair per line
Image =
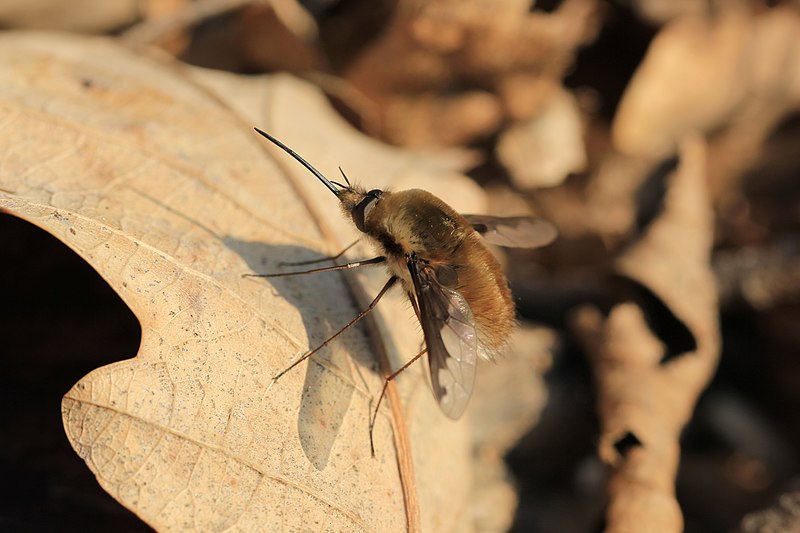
362,210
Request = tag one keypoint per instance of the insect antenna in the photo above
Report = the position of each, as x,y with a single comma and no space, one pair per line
347,181
300,160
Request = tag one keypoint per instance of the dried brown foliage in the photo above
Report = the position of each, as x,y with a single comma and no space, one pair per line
660,137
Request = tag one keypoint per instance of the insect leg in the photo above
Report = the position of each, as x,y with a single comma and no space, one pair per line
321,260
354,264
383,393
362,314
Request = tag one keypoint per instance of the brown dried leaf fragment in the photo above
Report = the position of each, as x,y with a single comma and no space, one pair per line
662,11
544,150
737,70
645,398
449,72
79,16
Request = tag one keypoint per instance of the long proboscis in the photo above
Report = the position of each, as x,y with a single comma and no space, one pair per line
300,160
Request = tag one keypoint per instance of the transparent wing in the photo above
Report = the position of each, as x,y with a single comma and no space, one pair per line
513,232
450,336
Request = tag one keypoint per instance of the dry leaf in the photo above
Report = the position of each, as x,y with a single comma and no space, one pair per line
544,150
171,199
81,15
645,397
611,196
661,11
441,72
701,74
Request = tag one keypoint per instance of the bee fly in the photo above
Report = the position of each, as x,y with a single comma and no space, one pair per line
455,284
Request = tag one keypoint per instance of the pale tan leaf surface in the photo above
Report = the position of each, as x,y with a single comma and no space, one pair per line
645,399
81,15
171,199
738,70
661,11
553,138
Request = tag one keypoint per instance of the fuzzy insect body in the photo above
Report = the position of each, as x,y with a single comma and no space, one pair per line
415,223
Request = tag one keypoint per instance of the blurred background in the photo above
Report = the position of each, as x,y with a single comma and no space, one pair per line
573,110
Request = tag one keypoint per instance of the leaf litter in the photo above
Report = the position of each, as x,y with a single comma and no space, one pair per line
676,187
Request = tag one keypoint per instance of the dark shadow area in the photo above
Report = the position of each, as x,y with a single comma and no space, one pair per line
651,193
677,338
740,450
608,64
326,398
546,6
627,443
58,321
559,479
